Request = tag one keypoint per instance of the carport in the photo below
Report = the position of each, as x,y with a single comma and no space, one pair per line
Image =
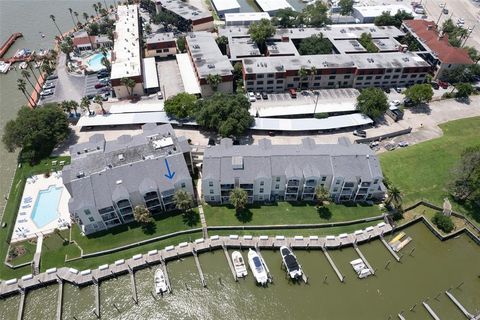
187,72
150,76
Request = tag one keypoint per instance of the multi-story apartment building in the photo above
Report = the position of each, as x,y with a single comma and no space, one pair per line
126,55
277,74
207,59
161,45
107,179
351,172
194,18
435,47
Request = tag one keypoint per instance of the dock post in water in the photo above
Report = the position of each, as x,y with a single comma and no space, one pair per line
270,277
430,310
339,275
363,258
199,267
97,300
22,305
230,264
394,254
459,306
133,285
60,300
400,316
165,273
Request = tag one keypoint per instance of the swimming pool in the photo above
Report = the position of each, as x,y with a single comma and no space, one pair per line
95,61
46,206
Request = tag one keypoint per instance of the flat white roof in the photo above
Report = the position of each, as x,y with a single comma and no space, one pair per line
273,5
150,75
113,119
375,11
138,107
222,5
246,16
287,110
126,45
187,72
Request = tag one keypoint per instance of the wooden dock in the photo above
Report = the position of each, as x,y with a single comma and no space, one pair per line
21,306
10,41
330,260
134,286
199,268
394,254
400,316
460,306
60,300
360,254
230,264
97,300
163,265
430,311
139,261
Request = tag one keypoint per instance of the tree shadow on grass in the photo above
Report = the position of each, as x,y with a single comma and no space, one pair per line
190,218
244,215
149,228
324,213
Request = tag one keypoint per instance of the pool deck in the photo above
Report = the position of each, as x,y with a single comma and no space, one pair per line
25,228
139,261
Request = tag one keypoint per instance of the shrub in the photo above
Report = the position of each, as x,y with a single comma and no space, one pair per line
443,222
321,115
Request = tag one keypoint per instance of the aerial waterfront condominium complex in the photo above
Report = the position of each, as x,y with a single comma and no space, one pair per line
267,172
107,179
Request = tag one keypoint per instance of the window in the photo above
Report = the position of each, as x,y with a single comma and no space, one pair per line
270,75
331,83
335,189
389,71
318,77
413,76
347,76
261,190
316,84
270,82
259,82
210,183
337,182
277,186
87,212
277,179
91,219
368,78
279,81
211,191
375,181
260,76
324,178
290,85
395,76
262,183
398,70
331,77
378,77
165,50
183,184
212,198
404,76
387,77
296,79
360,78
260,198
249,83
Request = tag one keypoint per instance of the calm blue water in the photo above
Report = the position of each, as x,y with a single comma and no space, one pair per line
46,206
95,62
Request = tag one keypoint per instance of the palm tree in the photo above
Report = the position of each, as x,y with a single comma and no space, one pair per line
65,105
55,23
66,46
95,7
98,100
214,80
71,16
313,72
85,16
25,74
85,105
142,215
302,73
129,84
322,195
74,106
183,200
79,24
21,85
239,199
394,196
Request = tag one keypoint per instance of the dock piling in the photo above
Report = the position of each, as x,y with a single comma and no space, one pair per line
364,259
393,253
330,260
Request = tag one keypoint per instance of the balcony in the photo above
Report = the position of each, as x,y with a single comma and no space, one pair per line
126,211
310,183
289,197
123,204
366,184
293,183
168,199
108,216
168,193
150,196
362,191
246,186
292,190
227,186
152,203
309,190
226,193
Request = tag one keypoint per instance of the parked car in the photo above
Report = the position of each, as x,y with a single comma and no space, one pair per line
360,133
90,96
387,90
443,84
264,95
159,95
99,85
251,97
434,85
395,102
47,92
105,89
403,144
390,146
399,90
48,85
258,96
445,11
103,74
104,80
407,102
52,77
293,93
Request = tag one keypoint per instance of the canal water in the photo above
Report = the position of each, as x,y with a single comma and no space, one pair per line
423,275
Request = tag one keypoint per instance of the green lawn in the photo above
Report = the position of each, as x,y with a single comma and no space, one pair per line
24,170
287,213
29,252
421,171
133,232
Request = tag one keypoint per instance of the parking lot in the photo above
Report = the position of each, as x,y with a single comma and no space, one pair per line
52,97
170,78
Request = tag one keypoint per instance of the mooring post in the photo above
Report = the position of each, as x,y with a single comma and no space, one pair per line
388,263
411,252
411,309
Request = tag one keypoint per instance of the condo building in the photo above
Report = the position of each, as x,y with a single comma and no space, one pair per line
108,179
267,172
194,18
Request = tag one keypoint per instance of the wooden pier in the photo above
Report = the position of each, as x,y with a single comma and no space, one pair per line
163,265
10,41
21,306
430,311
134,286
59,300
230,264
330,260
360,254
394,254
199,268
400,316
460,306
139,261
97,300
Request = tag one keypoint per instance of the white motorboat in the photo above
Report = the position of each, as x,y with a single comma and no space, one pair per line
357,265
364,273
160,282
4,67
257,267
290,261
23,65
239,264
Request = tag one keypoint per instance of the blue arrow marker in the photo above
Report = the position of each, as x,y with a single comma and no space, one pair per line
170,174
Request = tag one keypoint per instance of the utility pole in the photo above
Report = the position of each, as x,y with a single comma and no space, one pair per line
316,103
468,35
441,12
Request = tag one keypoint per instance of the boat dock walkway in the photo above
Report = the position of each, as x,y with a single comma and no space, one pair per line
163,265
134,286
59,300
10,41
97,300
330,260
460,306
363,258
394,254
230,264
430,310
199,268
21,306
140,261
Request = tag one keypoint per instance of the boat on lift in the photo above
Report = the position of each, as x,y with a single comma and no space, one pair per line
160,282
257,266
290,262
239,264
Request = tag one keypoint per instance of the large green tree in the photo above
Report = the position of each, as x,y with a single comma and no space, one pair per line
372,102
285,18
386,19
260,31
239,199
420,93
181,105
183,200
226,114
465,176
142,215
322,194
366,41
67,46
38,130
464,90
315,44
443,222
213,80
346,7
316,14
